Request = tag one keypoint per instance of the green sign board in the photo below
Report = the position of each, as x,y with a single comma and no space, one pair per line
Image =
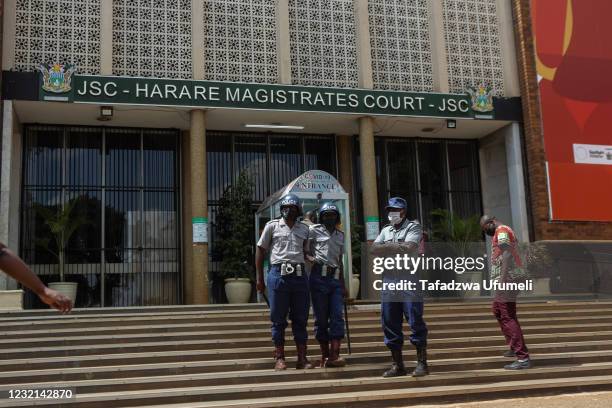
113,90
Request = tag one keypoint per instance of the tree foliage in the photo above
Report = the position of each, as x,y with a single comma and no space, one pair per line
235,226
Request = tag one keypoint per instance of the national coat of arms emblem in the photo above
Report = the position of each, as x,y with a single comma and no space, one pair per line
482,98
57,77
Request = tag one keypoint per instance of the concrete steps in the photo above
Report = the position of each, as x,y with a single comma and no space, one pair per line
200,357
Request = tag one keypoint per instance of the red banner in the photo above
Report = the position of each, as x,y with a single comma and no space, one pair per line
574,61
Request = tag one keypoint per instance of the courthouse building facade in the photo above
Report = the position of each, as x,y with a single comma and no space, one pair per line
139,113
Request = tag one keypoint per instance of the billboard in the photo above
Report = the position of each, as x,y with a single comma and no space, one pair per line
573,41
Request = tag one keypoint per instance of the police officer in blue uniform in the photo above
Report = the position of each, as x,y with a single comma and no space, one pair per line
327,286
402,236
286,239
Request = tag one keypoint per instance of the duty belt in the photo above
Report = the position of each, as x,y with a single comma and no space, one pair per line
330,270
289,268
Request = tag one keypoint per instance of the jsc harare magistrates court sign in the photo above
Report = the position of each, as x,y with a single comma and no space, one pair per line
211,94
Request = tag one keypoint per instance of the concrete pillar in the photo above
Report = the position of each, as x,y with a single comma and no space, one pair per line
508,48
438,46
9,16
516,181
199,205
364,48
345,164
503,183
10,185
106,38
197,39
187,230
283,42
494,177
368,177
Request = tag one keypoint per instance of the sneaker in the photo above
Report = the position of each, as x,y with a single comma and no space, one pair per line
519,365
510,354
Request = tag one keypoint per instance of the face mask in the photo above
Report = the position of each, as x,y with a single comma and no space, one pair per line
329,222
394,217
288,213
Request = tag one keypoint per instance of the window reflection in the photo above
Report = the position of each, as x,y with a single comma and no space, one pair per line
123,183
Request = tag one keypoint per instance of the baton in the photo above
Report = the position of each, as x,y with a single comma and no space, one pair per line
348,333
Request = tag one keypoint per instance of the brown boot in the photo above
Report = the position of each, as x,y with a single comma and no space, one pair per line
279,357
334,355
324,354
302,361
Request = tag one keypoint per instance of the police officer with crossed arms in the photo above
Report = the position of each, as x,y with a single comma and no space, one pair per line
402,236
286,239
327,286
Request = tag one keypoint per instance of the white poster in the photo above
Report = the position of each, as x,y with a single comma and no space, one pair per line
592,154
371,228
200,230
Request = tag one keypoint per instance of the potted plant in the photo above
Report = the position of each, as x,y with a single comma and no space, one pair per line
537,262
62,226
458,235
235,225
356,231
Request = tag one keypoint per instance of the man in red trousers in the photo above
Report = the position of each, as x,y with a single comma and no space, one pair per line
504,259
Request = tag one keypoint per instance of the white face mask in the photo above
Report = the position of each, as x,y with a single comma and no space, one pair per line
394,217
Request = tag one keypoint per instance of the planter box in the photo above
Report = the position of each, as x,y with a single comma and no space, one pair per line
11,299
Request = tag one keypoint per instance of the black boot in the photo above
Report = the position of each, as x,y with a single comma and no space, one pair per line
397,368
421,368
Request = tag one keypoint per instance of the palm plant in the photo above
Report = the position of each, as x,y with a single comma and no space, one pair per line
62,226
458,233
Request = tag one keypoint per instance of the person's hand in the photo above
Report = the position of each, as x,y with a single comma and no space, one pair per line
310,258
56,300
261,286
345,292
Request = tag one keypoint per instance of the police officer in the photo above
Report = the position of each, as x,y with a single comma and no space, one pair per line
327,286
286,239
402,236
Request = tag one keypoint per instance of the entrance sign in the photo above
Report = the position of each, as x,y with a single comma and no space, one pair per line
317,181
114,90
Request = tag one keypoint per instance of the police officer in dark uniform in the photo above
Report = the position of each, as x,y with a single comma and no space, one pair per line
286,239
327,286
402,236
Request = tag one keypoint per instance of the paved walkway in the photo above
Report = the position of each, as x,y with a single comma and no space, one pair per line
584,400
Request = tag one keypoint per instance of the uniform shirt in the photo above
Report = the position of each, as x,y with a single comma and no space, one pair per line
407,231
504,239
327,248
285,244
